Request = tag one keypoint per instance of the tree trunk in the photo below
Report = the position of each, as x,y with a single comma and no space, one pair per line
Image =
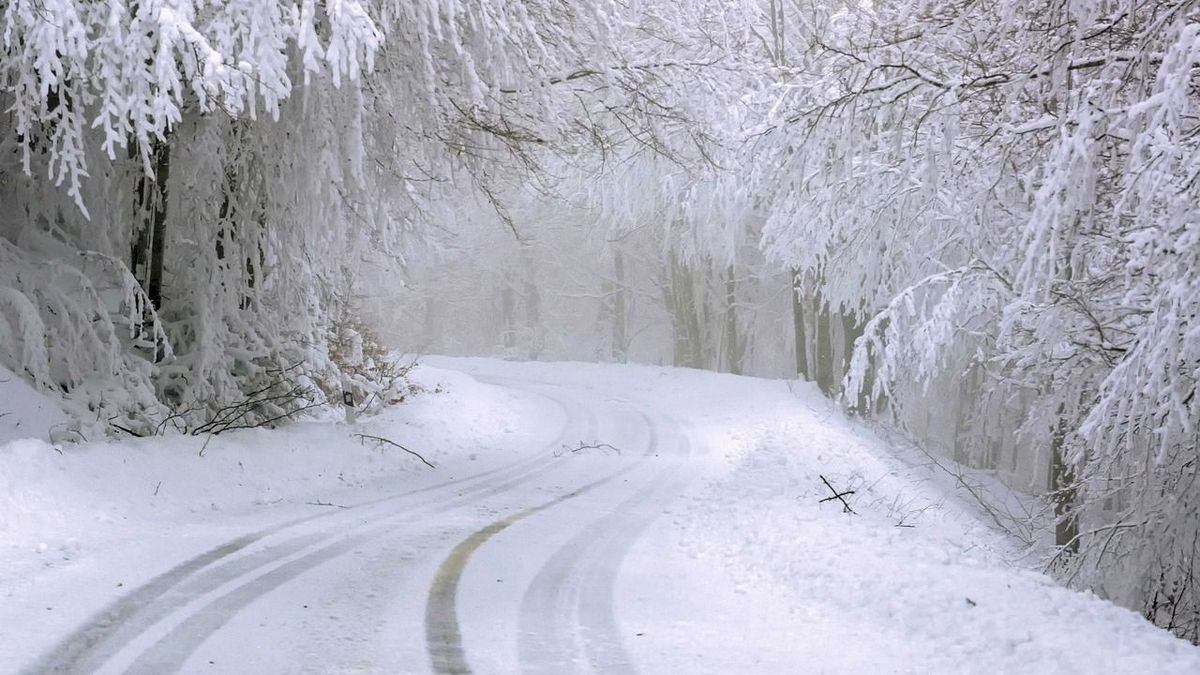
149,244
508,308
684,320
1062,487
823,347
619,310
799,333
734,347
533,305
851,331
700,320
158,237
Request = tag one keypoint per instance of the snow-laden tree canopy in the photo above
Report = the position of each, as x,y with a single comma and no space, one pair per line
1007,195
191,185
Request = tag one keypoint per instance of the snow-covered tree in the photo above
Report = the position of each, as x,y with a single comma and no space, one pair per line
235,158
1001,193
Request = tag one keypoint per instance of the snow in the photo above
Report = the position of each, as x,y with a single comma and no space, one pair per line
24,413
703,546
74,515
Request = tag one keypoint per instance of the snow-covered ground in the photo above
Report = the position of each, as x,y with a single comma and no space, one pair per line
24,413
687,535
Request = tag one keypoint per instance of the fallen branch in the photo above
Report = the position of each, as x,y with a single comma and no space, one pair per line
380,439
840,496
279,399
126,429
321,503
603,447
240,415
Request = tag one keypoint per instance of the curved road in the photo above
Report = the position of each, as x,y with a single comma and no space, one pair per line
511,569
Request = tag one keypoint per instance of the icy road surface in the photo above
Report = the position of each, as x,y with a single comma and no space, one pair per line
580,519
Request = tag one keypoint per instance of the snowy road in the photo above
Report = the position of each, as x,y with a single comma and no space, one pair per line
559,558
516,565
580,519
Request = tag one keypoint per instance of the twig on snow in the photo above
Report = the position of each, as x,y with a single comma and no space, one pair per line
321,503
840,496
204,447
380,439
126,429
603,447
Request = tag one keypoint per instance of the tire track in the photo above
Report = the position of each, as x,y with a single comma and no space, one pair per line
171,651
567,615
443,635
121,623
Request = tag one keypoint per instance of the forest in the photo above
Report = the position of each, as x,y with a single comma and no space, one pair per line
973,225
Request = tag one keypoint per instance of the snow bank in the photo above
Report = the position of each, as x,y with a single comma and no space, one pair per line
25,413
70,497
